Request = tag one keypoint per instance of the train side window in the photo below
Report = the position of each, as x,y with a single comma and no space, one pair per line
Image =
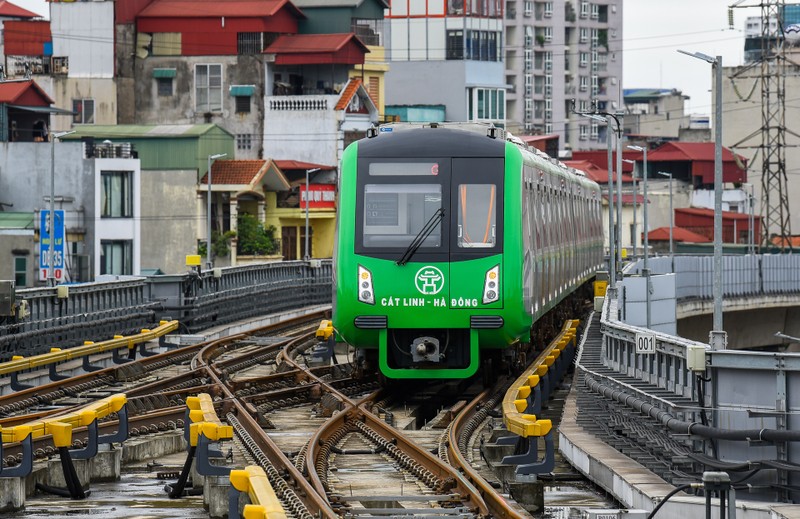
477,215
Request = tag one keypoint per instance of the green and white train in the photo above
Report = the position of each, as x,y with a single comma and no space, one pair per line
451,243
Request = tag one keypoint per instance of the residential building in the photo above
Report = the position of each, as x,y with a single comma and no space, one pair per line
210,50
656,113
314,98
777,30
743,132
691,165
448,53
71,56
99,198
172,200
11,12
290,209
17,246
25,111
242,64
735,225
364,18
563,56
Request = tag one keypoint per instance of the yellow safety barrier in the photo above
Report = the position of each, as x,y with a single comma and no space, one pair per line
264,503
205,420
60,427
325,330
18,363
516,402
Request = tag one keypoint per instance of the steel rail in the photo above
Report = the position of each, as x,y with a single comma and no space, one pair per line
314,503
498,506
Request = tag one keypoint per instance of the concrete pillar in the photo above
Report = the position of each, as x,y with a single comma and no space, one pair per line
55,474
528,494
12,494
40,474
494,452
107,465
197,479
215,495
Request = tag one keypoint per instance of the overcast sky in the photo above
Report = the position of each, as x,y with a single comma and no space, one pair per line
653,30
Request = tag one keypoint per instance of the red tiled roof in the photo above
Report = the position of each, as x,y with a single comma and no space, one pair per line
237,172
348,94
214,8
600,158
678,234
627,198
702,211
296,164
595,172
14,11
12,91
527,139
248,174
688,151
791,241
303,43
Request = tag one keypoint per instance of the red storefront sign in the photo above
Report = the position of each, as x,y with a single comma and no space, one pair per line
320,196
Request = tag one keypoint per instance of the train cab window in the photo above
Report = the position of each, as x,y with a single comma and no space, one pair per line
477,215
395,213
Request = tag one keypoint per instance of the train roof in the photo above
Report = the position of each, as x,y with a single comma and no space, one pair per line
464,139
431,140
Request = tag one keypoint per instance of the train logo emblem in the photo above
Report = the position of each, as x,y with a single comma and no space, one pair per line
429,280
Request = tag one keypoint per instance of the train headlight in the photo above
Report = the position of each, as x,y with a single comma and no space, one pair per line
491,285
365,291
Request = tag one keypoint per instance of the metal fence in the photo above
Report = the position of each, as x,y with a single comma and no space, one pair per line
761,274
745,392
199,300
90,310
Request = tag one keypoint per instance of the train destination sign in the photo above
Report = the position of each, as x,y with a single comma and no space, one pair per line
403,169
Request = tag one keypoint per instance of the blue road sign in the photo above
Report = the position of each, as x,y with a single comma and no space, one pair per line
45,244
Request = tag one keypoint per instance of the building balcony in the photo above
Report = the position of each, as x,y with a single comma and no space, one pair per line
330,120
26,66
317,103
108,150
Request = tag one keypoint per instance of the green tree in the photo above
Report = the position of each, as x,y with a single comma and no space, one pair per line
220,244
254,239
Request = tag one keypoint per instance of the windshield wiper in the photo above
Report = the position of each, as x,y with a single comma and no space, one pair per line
421,236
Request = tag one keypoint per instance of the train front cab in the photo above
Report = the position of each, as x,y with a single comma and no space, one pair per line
430,311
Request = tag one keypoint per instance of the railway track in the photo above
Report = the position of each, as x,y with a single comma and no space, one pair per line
331,445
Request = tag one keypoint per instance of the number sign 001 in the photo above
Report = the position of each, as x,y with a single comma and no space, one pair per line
646,343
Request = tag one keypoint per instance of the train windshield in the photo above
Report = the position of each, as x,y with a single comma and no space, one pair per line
452,205
395,213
